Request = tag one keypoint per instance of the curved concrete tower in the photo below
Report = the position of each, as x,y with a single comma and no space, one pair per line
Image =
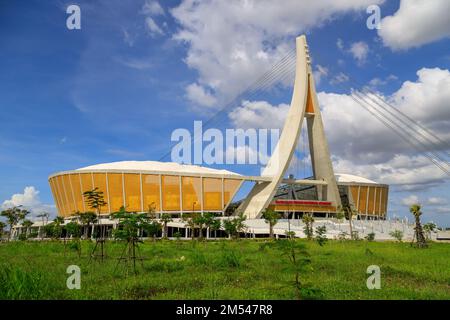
304,104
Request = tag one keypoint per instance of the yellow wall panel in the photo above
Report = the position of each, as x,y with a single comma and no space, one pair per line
362,199
132,192
171,193
354,193
55,195
371,203
59,186
100,183
115,191
191,193
230,187
150,191
212,194
77,194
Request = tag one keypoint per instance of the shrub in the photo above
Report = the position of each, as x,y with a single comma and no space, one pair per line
343,235
355,235
229,258
321,237
370,236
397,234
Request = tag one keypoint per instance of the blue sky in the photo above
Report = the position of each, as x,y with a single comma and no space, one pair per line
116,89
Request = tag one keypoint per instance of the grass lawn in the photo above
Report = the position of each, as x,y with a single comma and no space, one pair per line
244,269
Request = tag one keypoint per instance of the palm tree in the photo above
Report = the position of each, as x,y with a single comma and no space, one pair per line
27,225
86,219
420,238
211,223
165,219
44,216
58,221
308,220
271,217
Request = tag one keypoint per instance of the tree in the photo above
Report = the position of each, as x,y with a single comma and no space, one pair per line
74,230
27,224
308,220
346,212
95,200
13,216
271,217
190,222
299,259
128,229
86,219
165,219
415,209
200,223
233,227
321,235
58,222
428,228
2,228
211,222
44,216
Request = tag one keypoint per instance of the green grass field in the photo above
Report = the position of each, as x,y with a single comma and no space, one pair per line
242,269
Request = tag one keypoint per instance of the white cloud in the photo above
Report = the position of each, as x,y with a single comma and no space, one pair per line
230,43
436,201
427,99
340,44
339,78
152,8
198,95
320,72
127,37
29,199
410,200
376,82
152,27
359,50
416,22
443,209
259,114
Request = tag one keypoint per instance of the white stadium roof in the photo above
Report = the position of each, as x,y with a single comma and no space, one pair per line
344,177
156,166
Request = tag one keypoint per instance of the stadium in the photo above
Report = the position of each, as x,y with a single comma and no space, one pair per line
177,189
142,186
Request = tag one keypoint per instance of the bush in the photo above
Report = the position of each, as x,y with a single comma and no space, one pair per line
321,237
370,236
229,258
355,235
397,234
22,237
343,235
198,258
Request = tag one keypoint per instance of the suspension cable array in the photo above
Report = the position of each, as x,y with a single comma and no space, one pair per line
434,148
281,71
